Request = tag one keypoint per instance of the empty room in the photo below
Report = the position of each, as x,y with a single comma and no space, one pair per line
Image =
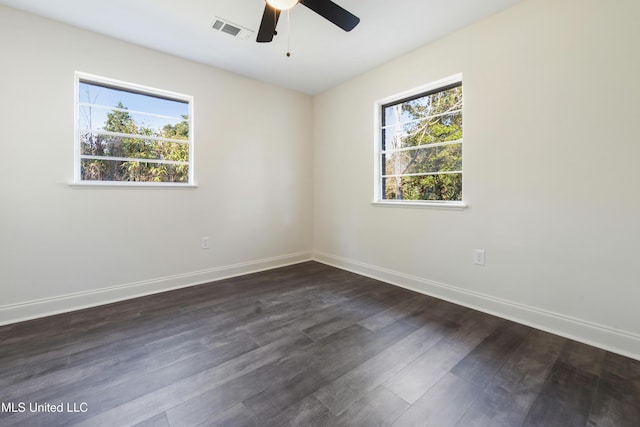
318,213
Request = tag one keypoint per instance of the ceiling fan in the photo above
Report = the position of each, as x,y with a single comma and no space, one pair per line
325,8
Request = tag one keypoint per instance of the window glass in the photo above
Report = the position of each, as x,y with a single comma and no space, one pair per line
127,133
420,152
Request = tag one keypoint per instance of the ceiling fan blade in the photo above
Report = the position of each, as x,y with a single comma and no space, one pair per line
332,12
268,24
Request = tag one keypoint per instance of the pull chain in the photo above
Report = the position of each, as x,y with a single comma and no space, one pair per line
288,35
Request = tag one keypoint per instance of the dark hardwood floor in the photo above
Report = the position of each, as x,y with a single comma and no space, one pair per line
305,345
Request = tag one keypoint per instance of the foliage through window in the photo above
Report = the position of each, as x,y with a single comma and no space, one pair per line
129,133
420,153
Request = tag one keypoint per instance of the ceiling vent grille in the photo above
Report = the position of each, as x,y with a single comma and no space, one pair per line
232,29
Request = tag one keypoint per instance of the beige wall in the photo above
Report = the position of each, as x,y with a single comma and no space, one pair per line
252,162
551,172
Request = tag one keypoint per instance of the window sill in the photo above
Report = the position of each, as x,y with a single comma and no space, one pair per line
133,185
417,204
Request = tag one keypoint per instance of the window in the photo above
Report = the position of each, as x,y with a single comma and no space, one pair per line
419,153
131,134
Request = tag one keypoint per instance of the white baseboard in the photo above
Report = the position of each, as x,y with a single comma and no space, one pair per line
46,307
610,339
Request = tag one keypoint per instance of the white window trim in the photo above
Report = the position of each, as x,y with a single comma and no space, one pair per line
454,205
377,150
131,185
77,174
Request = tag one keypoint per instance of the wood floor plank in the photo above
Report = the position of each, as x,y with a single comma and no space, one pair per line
548,411
617,398
350,314
379,407
115,379
343,314
497,407
261,407
237,416
420,375
442,406
355,384
610,409
104,392
583,357
108,363
276,325
307,412
514,388
328,360
179,391
445,310
482,362
565,399
414,304
78,341
159,420
209,404
529,366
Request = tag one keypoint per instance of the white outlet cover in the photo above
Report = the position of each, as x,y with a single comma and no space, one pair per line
205,243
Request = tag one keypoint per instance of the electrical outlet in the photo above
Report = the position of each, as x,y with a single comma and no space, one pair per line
205,243
478,256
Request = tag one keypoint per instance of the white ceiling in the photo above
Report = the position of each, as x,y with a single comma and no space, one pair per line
322,54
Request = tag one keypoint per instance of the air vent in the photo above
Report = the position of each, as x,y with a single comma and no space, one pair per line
232,29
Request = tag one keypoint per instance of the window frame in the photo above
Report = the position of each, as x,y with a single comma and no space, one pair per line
82,77
379,106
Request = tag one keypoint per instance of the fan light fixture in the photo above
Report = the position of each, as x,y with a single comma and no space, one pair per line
282,4
327,9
